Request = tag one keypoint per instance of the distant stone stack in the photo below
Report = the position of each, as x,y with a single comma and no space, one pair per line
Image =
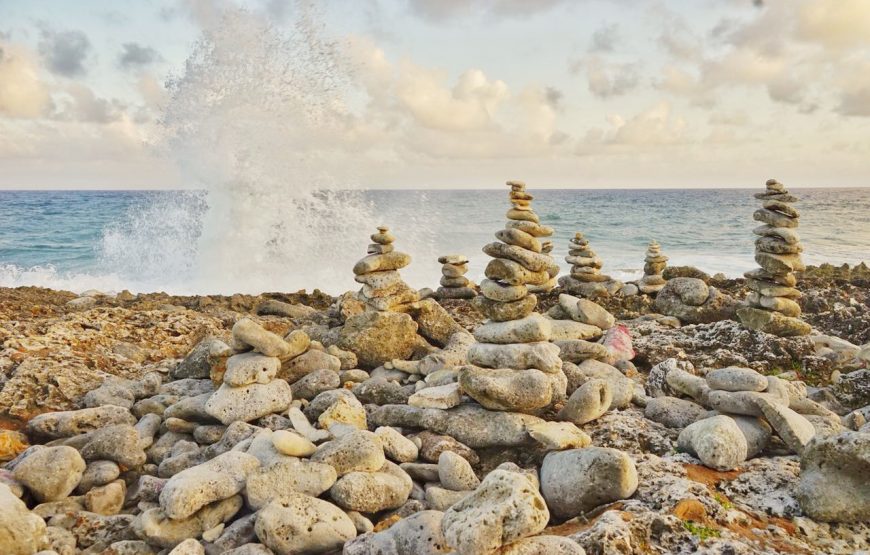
383,288
454,284
772,306
514,367
586,278
654,265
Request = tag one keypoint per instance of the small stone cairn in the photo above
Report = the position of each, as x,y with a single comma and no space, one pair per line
513,365
654,266
586,278
454,284
772,306
383,288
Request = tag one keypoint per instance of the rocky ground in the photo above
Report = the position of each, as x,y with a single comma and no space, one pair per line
159,443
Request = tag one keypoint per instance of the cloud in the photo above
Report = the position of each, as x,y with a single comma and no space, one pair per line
605,39
136,56
607,79
839,24
22,93
443,10
65,52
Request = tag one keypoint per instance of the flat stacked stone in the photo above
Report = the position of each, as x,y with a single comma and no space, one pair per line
383,288
454,284
654,266
513,366
772,301
586,278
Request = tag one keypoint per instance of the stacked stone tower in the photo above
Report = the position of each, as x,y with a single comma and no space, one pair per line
586,278
383,288
772,306
454,284
514,367
654,265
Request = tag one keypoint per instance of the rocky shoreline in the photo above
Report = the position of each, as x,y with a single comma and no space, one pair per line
510,419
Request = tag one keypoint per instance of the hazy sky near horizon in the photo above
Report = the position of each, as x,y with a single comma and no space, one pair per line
439,93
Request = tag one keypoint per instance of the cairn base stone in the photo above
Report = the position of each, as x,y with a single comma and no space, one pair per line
773,323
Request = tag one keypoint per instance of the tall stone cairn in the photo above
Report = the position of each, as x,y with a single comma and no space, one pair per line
654,266
771,303
586,278
383,288
454,284
513,366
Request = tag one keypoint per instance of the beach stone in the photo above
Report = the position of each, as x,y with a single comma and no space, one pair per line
543,356
506,389
249,368
756,431
557,436
358,451
287,476
734,378
345,410
438,397
736,402
693,302
533,327
532,261
588,402
562,330
53,425
417,534
158,529
98,473
621,387
382,262
252,334
432,445
502,312
586,311
679,380
853,389
795,430
773,323
292,444
315,383
21,532
297,523
502,293
190,408
578,480
578,350
274,307
380,390
543,545
119,443
505,507
372,492
379,337
106,500
455,473
718,442
189,546
231,404
109,394
192,489
50,473
833,483
308,362
441,499
396,446
672,412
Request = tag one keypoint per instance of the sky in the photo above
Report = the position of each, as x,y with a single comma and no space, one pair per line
435,93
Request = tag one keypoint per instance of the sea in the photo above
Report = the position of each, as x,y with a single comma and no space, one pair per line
206,242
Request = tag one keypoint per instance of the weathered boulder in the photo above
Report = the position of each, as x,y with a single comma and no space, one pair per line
297,523
379,337
833,483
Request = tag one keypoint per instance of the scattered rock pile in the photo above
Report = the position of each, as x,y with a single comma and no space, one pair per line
654,266
454,284
586,278
383,288
772,306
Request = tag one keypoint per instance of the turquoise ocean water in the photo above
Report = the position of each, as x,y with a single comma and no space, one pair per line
152,240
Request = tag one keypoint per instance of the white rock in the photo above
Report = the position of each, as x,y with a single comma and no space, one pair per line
298,523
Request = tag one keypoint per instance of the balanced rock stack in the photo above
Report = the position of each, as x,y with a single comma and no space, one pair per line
772,306
547,248
513,366
383,288
454,284
519,216
653,267
586,278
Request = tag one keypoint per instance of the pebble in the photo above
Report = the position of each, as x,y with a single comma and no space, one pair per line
673,412
417,534
556,436
307,363
734,378
106,500
285,477
397,447
219,478
188,547
292,444
562,330
455,473
98,473
315,383
372,492
437,397
543,356
50,473
252,334
249,368
589,402
358,451
120,443
505,507
543,545
507,389
298,523
441,499
21,532
586,311
533,327
718,442
578,480
53,425
230,404
156,528
345,410
795,430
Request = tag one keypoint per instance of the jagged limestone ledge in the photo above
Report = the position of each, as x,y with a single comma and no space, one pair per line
586,278
772,305
504,375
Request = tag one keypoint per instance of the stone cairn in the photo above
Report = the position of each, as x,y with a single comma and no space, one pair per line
513,365
653,268
586,278
772,306
521,211
454,284
383,288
